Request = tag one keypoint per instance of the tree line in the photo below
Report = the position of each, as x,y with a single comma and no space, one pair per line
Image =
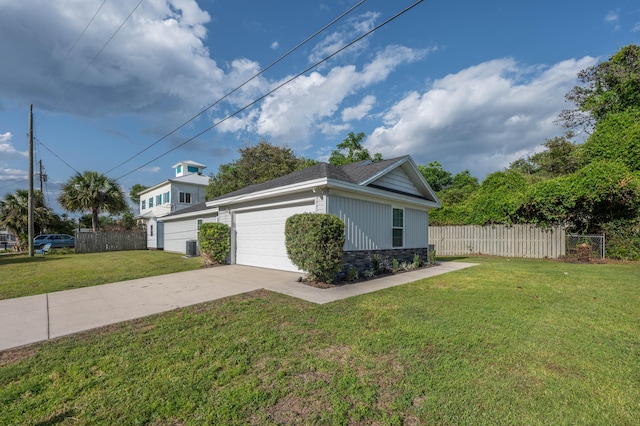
591,187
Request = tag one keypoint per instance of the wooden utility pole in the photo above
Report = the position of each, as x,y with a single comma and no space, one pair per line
31,198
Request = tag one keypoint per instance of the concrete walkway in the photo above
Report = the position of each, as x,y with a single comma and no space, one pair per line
38,318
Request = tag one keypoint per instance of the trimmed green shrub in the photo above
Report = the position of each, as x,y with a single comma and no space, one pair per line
215,242
315,244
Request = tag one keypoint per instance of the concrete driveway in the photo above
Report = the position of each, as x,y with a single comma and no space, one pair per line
38,318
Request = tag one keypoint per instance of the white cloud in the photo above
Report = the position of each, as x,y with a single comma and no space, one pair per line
359,111
636,27
293,113
5,137
156,63
10,157
338,39
275,45
613,17
497,107
8,151
155,169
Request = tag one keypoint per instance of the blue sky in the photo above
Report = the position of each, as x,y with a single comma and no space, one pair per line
473,85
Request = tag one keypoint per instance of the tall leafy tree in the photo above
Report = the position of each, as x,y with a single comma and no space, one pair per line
134,192
351,151
257,164
607,88
463,184
437,177
92,192
14,214
560,157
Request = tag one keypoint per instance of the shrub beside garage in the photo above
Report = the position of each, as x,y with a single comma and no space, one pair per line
315,244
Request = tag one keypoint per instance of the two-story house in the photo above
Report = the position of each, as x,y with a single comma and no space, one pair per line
188,187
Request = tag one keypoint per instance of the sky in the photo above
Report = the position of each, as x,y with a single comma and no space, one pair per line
131,87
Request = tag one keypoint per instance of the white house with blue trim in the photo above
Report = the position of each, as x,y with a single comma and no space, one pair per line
186,189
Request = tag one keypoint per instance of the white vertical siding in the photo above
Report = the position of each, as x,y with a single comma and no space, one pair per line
397,180
321,203
416,225
367,224
178,232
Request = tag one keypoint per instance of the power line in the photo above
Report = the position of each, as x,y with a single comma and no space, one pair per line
302,43
75,43
104,46
11,182
56,155
407,9
85,68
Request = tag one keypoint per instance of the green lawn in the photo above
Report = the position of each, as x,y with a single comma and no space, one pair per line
507,342
21,275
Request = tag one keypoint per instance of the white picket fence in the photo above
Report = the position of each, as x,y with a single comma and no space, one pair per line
499,240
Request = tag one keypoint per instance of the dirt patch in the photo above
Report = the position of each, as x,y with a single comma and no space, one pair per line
11,356
292,409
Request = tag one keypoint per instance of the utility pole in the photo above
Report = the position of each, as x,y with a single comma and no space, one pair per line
31,198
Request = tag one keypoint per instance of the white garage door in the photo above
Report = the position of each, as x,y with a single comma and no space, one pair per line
260,237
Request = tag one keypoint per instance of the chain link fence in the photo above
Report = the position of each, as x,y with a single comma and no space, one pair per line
595,242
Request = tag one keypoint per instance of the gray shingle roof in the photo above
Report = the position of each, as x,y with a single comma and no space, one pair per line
352,173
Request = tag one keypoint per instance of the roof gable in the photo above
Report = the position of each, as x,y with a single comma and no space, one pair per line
398,175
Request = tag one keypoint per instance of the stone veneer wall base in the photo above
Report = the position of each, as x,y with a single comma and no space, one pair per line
362,260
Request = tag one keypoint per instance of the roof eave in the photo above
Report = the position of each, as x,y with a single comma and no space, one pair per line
269,193
198,213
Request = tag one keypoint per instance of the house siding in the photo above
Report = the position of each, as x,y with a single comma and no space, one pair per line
397,180
367,224
177,232
416,228
198,194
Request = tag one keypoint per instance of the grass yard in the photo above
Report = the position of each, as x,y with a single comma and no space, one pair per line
511,341
21,275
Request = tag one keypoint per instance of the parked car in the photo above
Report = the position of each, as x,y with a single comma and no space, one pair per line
56,240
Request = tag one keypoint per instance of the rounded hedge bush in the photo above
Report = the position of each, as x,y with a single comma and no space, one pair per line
215,242
315,243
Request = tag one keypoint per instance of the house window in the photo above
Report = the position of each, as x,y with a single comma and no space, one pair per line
167,197
143,205
199,223
151,202
185,197
398,228
151,231
192,169
158,200
178,169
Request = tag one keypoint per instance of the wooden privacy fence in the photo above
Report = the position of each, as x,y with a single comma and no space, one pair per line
499,240
90,242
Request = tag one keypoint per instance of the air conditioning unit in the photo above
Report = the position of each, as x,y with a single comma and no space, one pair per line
192,248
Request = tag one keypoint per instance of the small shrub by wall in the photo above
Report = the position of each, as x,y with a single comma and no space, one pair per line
215,242
381,261
315,244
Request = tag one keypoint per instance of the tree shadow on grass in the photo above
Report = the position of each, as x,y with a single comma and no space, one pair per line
18,259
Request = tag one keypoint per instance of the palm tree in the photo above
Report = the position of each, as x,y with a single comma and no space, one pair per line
92,192
14,214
